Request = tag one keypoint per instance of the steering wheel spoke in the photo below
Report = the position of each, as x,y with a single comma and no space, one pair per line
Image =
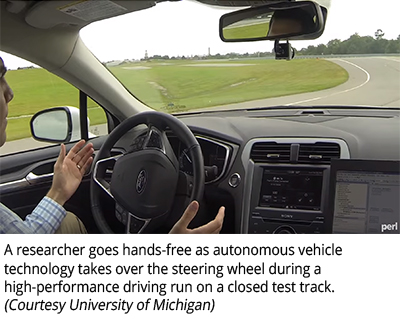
136,225
100,172
157,139
133,224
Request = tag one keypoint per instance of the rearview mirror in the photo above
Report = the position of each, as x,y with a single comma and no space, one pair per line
285,20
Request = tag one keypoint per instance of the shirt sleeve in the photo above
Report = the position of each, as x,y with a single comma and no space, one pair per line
45,218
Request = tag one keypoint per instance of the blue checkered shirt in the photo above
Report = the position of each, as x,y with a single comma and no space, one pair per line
45,218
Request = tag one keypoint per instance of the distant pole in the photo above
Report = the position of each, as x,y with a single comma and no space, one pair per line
209,51
146,56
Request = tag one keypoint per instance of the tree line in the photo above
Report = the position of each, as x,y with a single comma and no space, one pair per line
231,55
356,44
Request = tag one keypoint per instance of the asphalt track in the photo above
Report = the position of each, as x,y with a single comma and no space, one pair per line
373,81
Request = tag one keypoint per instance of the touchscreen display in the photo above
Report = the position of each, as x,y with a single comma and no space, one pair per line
291,189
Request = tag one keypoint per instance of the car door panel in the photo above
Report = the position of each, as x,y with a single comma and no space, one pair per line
26,177
14,166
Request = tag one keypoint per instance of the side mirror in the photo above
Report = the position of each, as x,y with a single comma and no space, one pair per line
284,20
58,125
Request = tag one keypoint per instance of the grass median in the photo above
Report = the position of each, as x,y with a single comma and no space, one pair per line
182,86
174,85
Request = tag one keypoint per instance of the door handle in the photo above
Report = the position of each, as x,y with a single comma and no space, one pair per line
37,179
29,180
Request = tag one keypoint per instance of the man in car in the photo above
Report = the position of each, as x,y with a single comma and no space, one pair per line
49,216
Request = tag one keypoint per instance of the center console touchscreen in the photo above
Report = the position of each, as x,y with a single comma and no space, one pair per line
298,189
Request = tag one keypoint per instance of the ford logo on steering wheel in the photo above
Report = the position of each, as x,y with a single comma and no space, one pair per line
141,181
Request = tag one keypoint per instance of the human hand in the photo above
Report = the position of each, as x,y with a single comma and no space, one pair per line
214,226
69,170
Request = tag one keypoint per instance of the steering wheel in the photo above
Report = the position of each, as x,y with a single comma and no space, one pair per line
145,182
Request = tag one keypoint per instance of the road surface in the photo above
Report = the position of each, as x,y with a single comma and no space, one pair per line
373,81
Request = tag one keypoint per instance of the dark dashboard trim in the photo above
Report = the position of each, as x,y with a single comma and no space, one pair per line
227,156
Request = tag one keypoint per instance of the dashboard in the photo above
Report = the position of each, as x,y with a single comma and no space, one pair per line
278,161
271,168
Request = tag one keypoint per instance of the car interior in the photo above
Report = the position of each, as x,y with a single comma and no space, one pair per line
305,168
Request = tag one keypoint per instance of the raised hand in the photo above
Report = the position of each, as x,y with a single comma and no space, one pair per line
69,170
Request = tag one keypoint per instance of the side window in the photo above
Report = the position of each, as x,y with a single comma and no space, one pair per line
97,119
36,89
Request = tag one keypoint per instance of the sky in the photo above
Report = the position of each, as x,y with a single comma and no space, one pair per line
189,28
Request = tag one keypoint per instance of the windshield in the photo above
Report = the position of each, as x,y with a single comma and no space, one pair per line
172,59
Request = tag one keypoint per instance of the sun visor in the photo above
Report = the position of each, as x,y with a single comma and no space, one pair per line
47,14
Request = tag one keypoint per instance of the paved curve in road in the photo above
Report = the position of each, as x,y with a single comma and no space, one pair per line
373,81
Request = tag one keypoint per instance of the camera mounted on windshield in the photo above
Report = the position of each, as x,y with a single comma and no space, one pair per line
283,51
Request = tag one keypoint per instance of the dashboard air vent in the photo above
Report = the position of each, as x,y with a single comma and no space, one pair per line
271,152
318,153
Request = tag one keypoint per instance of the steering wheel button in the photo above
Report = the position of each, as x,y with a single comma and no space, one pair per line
135,225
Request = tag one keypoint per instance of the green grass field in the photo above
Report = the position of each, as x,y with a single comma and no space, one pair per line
38,89
183,85
174,86
259,30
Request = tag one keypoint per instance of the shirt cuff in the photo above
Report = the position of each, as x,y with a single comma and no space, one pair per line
55,204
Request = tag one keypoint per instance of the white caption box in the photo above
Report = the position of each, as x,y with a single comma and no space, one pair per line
351,276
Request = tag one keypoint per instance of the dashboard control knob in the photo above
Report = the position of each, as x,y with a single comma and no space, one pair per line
234,180
284,230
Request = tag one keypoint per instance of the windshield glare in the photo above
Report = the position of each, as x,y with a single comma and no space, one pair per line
171,58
